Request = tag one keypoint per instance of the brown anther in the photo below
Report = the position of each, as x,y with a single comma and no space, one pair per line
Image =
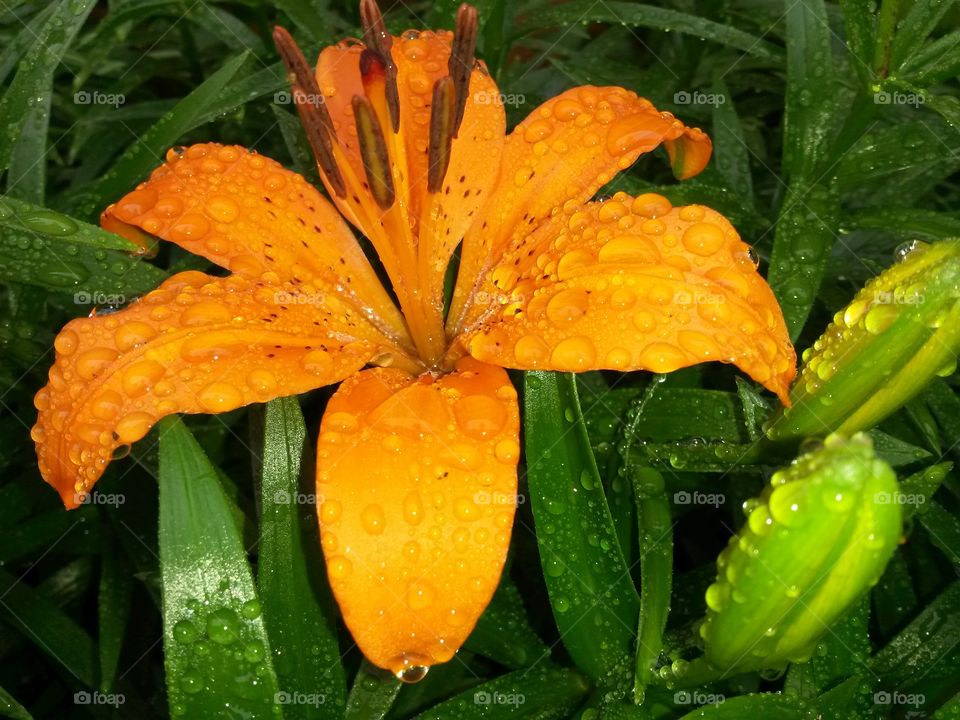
460,64
313,112
377,38
373,152
442,114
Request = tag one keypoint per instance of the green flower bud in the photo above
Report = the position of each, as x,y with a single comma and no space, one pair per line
814,542
899,331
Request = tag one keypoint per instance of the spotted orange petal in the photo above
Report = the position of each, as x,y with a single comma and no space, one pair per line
248,213
195,344
417,482
633,284
562,153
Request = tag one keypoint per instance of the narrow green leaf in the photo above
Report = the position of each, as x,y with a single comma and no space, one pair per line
27,100
909,223
113,608
503,632
810,104
894,598
943,527
927,639
859,24
890,13
593,599
215,643
731,155
47,627
372,694
297,606
754,407
760,705
935,61
45,248
148,150
656,572
806,231
649,16
10,708
945,406
543,691
313,17
915,27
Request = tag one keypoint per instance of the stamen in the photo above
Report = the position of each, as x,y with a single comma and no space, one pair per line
460,64
373,151
442,131
313,112
379,40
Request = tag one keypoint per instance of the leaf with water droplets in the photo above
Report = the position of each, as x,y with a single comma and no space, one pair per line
594,601
10,708
503,632
372,694
656,18
756,705
543,691
297,607
215,644
912,30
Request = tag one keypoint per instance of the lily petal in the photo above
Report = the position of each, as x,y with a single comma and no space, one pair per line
633,284
248,213
562,153
417,482
196,344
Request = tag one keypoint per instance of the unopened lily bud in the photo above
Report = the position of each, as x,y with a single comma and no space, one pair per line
901,330
814,542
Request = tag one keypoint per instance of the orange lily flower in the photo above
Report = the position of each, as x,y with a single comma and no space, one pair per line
417,454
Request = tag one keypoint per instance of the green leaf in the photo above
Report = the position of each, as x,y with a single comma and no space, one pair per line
649,16
215,643
148,149
45,625
503,632
372,694
297,606
760,705
859,24
55,251
806,231
593,599
909,223
113,608
656,571
26,104
934,62
731,155
543,691
810,105
10,708
943,527
915,27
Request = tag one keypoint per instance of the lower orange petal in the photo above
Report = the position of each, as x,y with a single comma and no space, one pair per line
417,482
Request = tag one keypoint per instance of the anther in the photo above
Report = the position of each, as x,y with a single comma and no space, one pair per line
460,64
311,108
441,132
373,152
377,38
